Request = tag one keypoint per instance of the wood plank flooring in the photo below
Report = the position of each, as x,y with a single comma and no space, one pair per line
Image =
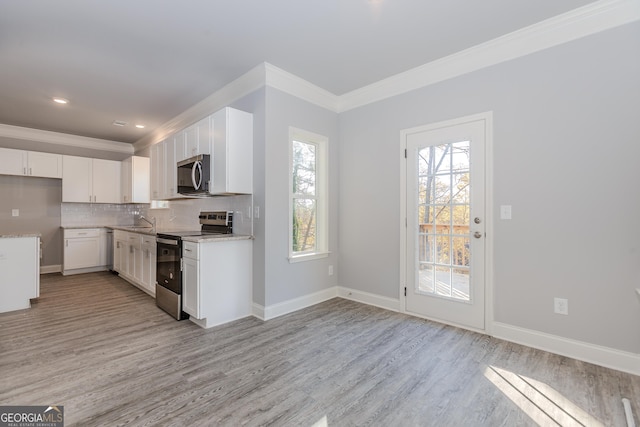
101,348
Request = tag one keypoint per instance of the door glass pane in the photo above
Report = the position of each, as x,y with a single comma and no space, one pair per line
443,220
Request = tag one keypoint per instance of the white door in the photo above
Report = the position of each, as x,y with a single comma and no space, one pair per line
445,224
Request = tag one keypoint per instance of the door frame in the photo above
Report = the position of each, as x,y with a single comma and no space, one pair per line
489,223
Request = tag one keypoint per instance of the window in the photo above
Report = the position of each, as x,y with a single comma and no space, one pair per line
308,224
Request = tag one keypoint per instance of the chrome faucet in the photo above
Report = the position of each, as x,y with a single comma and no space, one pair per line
152,222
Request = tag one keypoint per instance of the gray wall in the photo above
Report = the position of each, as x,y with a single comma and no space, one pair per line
284,280
566,152
38,200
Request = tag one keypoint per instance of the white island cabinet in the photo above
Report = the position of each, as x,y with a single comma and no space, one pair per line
217,280
19,271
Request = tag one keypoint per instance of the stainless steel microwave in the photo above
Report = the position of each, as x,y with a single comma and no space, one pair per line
194,175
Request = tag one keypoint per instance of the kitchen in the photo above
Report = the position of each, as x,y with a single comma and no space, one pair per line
120,199
567,81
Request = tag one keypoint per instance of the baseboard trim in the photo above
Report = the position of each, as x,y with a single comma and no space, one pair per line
48,269
591,353
369,298
289,306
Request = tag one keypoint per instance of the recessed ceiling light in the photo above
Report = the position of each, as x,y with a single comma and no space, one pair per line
61,100
140,126
119,123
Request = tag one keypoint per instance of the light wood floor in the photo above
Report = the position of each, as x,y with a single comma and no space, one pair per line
101,348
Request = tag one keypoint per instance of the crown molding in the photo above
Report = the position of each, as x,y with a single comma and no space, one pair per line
242,86
593,18
37,135
293,85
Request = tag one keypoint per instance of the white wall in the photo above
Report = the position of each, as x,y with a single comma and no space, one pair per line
566,133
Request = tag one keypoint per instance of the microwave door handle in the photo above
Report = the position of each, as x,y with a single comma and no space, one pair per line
196,185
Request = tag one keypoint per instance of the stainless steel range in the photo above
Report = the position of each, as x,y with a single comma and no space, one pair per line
169,264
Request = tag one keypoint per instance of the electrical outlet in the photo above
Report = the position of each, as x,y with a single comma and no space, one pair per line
15,212
331,270
561,306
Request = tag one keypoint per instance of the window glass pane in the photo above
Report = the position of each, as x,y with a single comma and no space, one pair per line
304,225
304,168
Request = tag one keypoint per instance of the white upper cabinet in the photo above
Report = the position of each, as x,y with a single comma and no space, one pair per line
179,139
157,153
135,180
86,180
198,138
232,152
30,163
45,165
227,136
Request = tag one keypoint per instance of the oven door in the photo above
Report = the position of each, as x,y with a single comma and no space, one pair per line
168,272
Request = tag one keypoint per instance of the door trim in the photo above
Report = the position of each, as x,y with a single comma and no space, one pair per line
489,223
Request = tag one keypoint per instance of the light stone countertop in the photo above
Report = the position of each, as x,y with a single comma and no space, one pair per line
19,235
216,238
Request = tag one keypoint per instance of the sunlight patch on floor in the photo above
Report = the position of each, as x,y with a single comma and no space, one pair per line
539,401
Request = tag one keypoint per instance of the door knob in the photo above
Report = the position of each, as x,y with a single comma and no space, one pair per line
477,234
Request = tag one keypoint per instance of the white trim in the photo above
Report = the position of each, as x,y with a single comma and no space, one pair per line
37,135
599,355
289,306
487,117
300,88
48,269
392,304
590,19
321,143
249,82
257,311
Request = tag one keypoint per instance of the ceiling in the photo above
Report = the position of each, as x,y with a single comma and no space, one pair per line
146,61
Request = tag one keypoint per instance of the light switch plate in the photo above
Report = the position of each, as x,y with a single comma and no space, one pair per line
15,212
505,212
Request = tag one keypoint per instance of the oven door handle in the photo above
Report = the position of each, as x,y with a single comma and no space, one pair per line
167,241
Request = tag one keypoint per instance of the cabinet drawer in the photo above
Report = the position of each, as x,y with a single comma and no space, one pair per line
190,250
148,241
81,232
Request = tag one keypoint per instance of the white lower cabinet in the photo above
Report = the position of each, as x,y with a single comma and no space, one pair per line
85,250
134,259
217,281
19,272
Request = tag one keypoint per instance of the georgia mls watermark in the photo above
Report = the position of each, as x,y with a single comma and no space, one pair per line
31,416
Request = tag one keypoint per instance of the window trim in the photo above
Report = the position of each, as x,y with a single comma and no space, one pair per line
322,194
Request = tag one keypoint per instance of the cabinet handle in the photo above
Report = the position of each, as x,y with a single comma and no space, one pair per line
187,250
95,198
24,171
30,172
89,198
66,243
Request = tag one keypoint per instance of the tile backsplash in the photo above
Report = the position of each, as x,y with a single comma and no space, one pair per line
182,214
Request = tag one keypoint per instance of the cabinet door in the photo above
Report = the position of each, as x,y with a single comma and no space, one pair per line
125,180
232,152
191,140
158,170
117,254
181,150
191,287
171,170
44,165
106,181
149,267
140,174
81,253
12,162
76,179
